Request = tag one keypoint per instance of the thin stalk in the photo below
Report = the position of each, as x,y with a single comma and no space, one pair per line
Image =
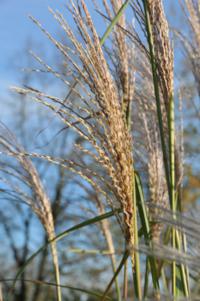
174,273
146,229
56,270
135,256
146,278
182,243
175,234
164,281
172,186
186,267
111,248
125,283
123,261
183,270
136,266
172,154
117,287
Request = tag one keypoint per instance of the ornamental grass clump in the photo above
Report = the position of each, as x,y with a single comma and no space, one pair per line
121,105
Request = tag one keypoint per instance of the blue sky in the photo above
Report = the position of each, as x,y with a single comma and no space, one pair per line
16,29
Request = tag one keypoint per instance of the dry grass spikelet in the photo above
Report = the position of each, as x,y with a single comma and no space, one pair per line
193,7
39,200
158,192
191,42
124,55
162,48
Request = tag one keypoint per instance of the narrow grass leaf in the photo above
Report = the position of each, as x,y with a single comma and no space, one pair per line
62,235
124,259
46,283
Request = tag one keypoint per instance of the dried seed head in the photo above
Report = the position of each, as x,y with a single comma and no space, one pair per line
39,200
108,133
191,42
124,55
158,191
193,7
105,91
162,48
